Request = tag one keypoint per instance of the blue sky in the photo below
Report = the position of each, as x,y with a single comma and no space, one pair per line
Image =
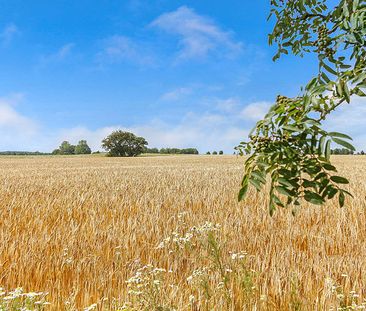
180,73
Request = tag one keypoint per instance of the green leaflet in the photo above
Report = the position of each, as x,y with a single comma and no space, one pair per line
313,198
343,143
339,180
340,135
341,198
242,192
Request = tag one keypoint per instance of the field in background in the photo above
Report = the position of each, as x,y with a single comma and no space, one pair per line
80,227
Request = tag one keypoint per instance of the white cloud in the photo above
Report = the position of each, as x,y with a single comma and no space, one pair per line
349,116
198,35
15,128
8,33
10,118
119,48
222,126
350,119
208,131
255,111
228,104
93,137
188,132
176,94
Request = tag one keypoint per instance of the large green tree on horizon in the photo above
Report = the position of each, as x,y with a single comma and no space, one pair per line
124,144
290,144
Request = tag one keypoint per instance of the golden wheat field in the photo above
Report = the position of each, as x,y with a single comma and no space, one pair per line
167,233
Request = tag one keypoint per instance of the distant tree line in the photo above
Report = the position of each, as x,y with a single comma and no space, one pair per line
23,153
67,149
120,144
126,144
215,152
342,151
117,144
171,151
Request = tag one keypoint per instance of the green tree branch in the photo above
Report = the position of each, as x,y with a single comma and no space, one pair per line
289,146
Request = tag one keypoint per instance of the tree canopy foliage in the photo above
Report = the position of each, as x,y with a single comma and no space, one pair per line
82,148
341,151
67,149
179,151
290,144
124,144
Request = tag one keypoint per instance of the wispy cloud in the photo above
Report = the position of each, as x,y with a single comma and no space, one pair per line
119,48
64,51
176,94
198,35
59,55
8,33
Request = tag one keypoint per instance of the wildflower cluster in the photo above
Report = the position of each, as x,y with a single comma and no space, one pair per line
215,277
198,275
19,300
185,238
215,273
145,290
238,256
91,307
345,299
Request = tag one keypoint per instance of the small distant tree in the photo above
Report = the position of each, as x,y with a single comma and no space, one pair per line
82,148
208,152
56,152
362,152
124,144
66,148
221,152
214,153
